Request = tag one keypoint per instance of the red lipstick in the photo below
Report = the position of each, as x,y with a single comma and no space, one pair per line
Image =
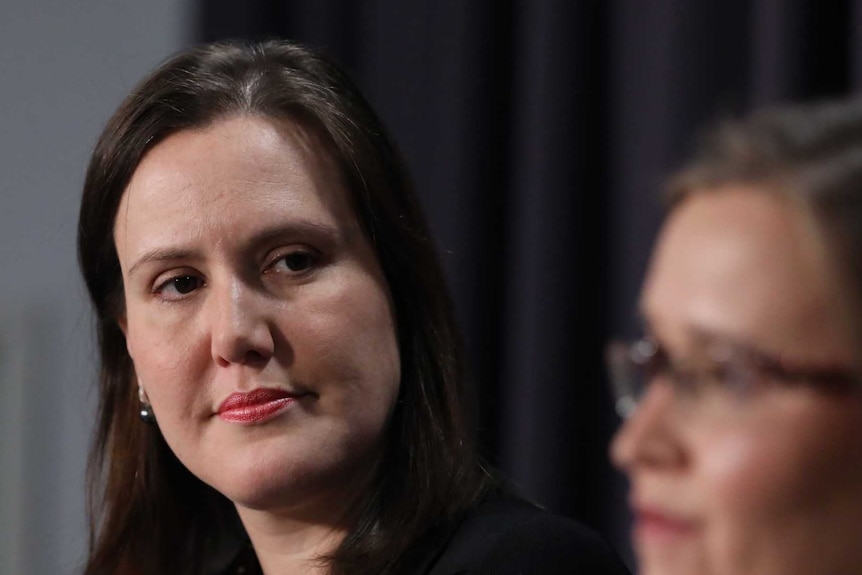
255,406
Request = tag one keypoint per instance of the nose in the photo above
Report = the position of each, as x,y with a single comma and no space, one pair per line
649,437
241,329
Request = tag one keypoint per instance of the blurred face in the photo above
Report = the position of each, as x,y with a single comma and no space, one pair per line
257,316
765,479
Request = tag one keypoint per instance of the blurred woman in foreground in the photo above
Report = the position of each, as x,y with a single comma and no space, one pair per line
743,438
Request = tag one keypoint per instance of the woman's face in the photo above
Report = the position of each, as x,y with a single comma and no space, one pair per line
764,480
257,316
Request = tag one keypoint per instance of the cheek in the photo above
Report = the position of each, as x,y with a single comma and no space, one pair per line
345,349
743,471
777,465
347,336
770,489
166,356
748,483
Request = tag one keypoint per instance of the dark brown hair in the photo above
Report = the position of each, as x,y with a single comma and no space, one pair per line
149,515
810,155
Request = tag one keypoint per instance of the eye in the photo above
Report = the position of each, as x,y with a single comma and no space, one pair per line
178,286
185,284
295,262
719,376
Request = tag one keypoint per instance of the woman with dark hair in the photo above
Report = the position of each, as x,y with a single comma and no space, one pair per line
743,441
270,304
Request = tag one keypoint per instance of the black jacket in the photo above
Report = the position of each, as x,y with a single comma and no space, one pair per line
508,536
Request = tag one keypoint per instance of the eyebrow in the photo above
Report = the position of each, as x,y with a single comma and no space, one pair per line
322,233
702,335
162,255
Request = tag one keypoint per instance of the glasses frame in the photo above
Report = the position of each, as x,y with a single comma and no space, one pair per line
633,366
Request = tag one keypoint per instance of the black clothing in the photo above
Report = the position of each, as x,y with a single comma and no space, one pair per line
508,536
503,535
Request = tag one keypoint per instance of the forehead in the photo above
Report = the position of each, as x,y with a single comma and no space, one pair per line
236,171
748,264
235,150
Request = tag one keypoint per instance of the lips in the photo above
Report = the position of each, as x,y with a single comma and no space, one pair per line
653,525
256,406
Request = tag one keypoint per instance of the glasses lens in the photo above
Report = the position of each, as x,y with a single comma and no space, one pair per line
625,376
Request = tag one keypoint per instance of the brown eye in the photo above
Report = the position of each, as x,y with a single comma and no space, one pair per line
178,287
185,284
294,263
297,261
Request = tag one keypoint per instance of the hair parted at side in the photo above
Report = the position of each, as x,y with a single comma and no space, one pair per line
148,514
809,154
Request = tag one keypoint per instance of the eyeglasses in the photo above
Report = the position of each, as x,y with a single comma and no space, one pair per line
722,375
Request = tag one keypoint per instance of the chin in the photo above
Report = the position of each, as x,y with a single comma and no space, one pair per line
274,483
274,488
670,563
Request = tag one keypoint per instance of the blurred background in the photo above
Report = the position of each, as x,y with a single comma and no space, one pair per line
538,133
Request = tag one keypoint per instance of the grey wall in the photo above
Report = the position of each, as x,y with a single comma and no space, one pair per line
64,67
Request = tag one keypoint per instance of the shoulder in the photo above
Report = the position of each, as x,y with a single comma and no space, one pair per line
506,535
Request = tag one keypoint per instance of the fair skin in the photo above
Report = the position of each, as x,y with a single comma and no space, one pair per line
762,483
244,269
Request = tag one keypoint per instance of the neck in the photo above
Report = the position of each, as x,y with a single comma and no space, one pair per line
294,537
287,543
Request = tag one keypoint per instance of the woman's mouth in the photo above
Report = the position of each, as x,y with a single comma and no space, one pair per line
656,526
256,406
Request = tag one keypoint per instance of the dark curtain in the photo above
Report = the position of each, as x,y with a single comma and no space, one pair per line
538,133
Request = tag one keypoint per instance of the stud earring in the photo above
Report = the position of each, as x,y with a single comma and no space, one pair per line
146,413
